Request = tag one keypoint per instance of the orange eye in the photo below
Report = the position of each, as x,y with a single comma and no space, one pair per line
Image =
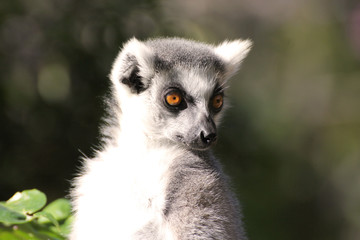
173,98
217,101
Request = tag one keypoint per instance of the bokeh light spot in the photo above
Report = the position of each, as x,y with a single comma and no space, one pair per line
54,82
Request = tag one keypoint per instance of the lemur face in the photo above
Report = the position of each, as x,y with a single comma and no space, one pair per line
178,86
189,106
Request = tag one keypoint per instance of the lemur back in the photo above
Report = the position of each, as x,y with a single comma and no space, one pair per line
155,176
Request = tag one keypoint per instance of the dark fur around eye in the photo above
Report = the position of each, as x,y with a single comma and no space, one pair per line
217,92
174,108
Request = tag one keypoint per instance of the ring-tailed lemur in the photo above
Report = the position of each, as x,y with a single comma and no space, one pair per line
155,177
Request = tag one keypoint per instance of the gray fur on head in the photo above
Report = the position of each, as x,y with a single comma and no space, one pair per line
166,53
157,178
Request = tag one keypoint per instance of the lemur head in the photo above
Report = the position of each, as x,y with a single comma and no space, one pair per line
172,89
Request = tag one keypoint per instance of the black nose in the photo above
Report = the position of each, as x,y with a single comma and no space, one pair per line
208,139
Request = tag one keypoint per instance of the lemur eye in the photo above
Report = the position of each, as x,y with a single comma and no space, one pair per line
173,98
217,101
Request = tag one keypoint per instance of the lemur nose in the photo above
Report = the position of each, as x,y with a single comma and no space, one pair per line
209,138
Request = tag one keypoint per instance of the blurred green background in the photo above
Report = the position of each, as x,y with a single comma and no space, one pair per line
291,141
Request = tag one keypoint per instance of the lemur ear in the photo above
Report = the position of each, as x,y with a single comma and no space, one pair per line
134,66
233,53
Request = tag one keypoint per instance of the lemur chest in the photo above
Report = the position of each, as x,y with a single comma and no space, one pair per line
143,178
132,186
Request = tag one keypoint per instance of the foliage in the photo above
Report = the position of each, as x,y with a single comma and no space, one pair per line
25,216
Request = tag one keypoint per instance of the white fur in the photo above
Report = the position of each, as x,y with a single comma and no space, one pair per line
123,188
233,53
143,55
125,176
124,185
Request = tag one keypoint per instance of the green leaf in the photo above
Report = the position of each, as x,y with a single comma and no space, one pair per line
17,233
65,228
23,234
8,216
62,229
50,235
60,209
26,202
47,217
27,231
5,235
17,215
